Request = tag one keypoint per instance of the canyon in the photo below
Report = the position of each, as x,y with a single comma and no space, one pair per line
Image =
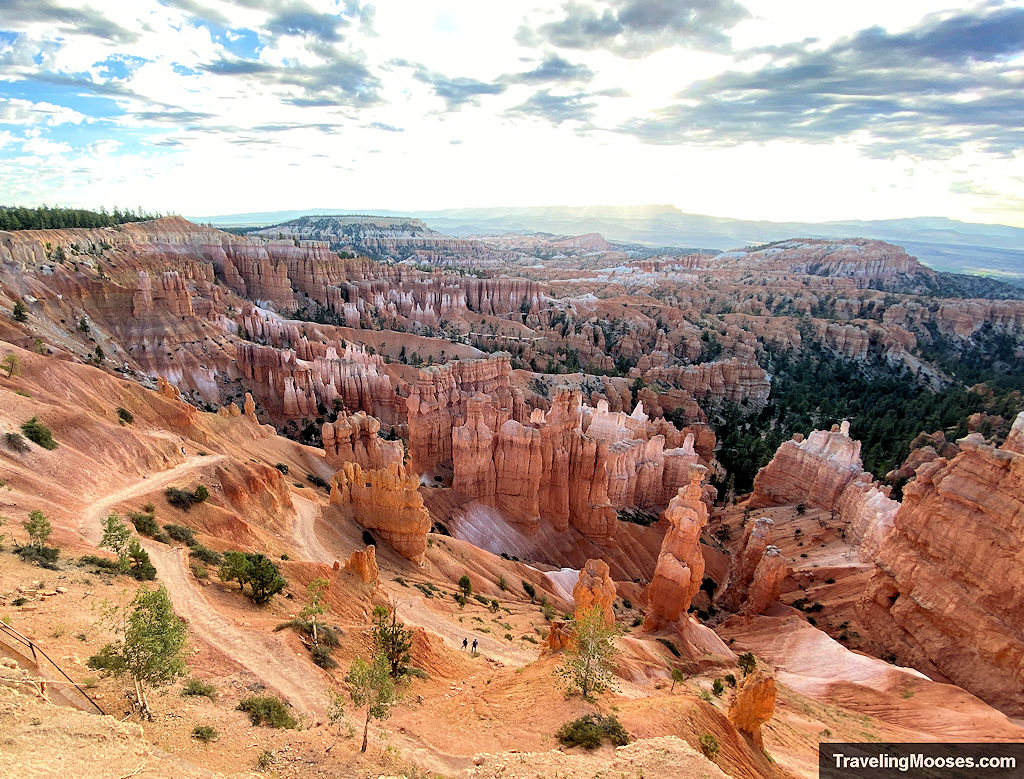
565,423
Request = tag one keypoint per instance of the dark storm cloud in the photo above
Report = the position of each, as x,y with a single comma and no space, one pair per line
922,92
634,28
555,108
341,80
15,14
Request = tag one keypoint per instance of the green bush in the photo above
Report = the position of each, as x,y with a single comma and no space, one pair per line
43,556
316,481
204,554
125,416
198,687
669,645
38,433
730,680
529,589
205,733
717,687
181,533
282,468
145,523
590,730
268,710
16,442
183,499
709,745
322,655
19,601
103,563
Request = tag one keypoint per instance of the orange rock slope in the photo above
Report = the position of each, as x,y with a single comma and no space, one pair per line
946,595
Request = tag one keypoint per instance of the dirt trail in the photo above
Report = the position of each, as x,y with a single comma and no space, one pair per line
298,680
262,653
89,523
307,512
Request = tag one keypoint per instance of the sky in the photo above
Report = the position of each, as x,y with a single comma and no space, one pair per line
756,109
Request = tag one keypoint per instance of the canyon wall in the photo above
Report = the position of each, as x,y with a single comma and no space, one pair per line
946,593
825,470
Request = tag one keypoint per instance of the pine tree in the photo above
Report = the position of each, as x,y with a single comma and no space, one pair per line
590,658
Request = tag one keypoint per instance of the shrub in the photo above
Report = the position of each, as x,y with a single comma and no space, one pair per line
204,554
316,481
267,710
205,733
43,556
198,570
125,416
670,646
103,563
149,508
16,442
199,688
38,433
145,523
322,656
590,730
181,533
717,687
709,745
282,468
19,601
529,589
747,663
730,680
140,566
460,599
266,759
183,499
465,585
502,584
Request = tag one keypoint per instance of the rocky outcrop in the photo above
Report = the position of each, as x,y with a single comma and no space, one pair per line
354,438
945,597
825,470
595,589
363,563
753,705
680,569
1015,440
388,502
757,540
766,583
732,380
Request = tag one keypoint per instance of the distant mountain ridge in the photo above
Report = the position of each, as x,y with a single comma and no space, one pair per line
943,244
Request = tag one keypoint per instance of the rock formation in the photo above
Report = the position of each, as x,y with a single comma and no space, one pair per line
386,501
753,705
758,571
945,597
363,563
766,583
680,568
825,470
595,589
354,438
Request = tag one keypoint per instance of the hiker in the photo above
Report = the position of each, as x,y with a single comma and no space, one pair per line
474,646
183,450
465,641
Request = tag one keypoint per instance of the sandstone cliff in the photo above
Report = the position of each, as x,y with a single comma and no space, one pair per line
825,470
946,595
388,502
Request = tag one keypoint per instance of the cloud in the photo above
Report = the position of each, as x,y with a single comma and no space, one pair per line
388,128
16,14
635,28
556,109
924,92
341,80
456,92
553,68
20,111
300,19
